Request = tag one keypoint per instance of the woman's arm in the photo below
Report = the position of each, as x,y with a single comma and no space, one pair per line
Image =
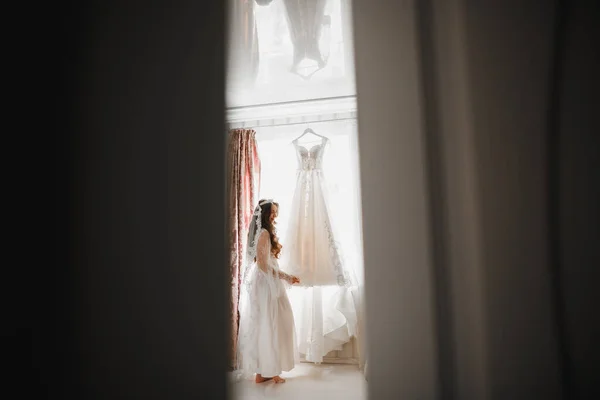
263,248
291,279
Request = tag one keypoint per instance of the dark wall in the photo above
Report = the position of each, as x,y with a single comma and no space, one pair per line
576,220
509,64
137,305
509,99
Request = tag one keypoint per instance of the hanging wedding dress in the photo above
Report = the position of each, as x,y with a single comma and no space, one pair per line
266,338
308,26
323,304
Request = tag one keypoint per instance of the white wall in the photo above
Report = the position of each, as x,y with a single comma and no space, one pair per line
398,271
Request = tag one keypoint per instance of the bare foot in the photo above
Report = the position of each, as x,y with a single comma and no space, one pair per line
278,379
260,379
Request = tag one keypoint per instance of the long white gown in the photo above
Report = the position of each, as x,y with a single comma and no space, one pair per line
266,338
324,306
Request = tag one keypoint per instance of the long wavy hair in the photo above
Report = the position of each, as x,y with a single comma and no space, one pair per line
270,227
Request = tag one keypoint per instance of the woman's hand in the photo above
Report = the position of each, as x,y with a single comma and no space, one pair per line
293,279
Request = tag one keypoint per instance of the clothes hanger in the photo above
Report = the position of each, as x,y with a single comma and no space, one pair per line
307,131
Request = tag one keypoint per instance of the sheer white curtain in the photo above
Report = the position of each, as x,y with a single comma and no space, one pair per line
278,179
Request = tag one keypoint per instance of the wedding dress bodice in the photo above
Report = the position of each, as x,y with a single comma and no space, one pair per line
310,158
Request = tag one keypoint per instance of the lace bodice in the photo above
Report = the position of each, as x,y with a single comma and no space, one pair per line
310,158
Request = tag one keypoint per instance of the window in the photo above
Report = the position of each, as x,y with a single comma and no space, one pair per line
278,180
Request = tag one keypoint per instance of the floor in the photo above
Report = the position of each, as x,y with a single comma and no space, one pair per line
308,381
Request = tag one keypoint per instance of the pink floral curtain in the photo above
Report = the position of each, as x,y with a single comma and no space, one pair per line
244,182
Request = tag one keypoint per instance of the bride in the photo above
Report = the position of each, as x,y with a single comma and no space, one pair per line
266,339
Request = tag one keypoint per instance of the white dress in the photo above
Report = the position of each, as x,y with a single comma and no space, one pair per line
266,338
311,252
323,302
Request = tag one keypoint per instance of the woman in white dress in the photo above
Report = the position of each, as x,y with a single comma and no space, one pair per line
266,339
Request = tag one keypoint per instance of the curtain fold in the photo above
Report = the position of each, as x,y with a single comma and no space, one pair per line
243,187
243,63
